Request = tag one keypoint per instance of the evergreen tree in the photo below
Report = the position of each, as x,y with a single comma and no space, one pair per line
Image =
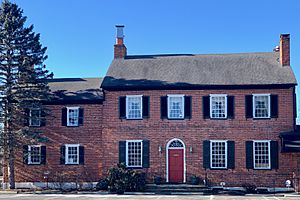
23,81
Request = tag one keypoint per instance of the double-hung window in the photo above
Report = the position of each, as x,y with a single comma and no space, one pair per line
218,106
34,117
218,154
261,154
261,105
72,116
134,107
34,154
134,153
175,106
72,154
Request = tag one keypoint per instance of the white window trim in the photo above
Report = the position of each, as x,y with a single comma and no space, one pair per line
226,153
269,105
269,153
141,141
127,107
29,155
30,122
175,95
67,154
72,108
210,103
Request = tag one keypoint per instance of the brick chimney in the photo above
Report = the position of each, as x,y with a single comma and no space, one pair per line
284,49
120,50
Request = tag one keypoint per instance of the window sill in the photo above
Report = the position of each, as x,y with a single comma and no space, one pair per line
134,167
218,169
71,163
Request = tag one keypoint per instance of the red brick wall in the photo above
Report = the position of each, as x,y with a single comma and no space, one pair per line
197,129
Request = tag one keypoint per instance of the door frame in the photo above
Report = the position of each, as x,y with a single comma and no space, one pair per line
167,158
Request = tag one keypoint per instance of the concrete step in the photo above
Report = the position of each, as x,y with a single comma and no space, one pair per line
176,188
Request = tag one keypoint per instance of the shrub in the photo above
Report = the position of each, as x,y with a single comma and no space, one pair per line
195,180
250,188
158,180
102,184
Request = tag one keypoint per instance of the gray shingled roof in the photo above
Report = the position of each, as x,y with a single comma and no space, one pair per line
76,89
195,69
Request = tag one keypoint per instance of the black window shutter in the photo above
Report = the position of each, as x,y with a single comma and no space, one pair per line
187,107
206,107
25,154
81,155
122,107
43,155
230,107
249,154
249,106
146,106
26,117
274,106
146,153
80,116
206,154
230,154
43,118
63,155
164,107
122,152
64,117
274,154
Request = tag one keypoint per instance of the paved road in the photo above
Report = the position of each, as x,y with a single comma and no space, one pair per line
140,197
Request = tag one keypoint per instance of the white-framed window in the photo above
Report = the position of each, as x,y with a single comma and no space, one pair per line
261,105
218,106
134,153
261,154
72,154
134,107
218,154
72,116
34,154
175,106
35,117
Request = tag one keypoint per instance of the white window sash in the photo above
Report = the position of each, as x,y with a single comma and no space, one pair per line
254,106
68,119
30,117
30,162
127,106
67,153
168,105
226,156
210,103
127,158
269,154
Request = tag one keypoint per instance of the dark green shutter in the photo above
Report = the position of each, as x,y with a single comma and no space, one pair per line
81,155
187,107
230,155
230,107
122,107
146,106
146,153
64,116
63,155
274,106
43,155
206,107
206,154
274,154
164,107
43,117
80,116
249,155
25,154
122,152
26,117
249,106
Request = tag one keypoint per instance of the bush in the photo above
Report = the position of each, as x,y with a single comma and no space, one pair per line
195,180
250,188
102,184
158,180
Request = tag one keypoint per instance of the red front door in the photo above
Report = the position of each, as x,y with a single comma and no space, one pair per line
176,165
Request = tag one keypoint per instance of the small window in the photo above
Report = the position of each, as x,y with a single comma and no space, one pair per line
218,154
261,105
72,154
34,117
72,116
134,107
34,154
134,153
218,106
261,154
175,106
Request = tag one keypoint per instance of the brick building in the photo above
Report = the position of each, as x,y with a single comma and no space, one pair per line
223,117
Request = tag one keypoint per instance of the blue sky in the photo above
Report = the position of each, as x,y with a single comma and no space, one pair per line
80,34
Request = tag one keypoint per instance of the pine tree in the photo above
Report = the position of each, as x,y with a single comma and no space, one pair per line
23,80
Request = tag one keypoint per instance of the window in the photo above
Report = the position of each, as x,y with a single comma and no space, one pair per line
261,154
176,106
72,154
261,105
218,106
218,154
134,153
34,117
134,107
34,154
72,116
